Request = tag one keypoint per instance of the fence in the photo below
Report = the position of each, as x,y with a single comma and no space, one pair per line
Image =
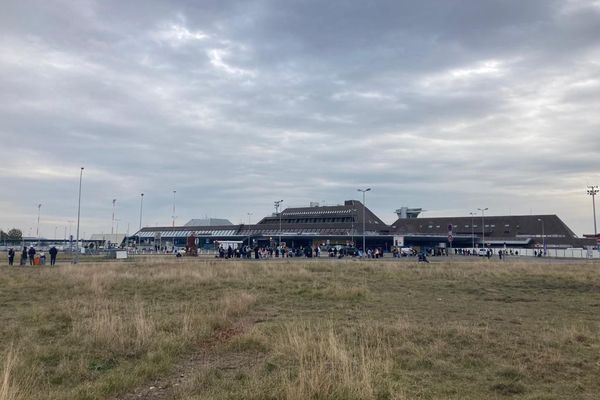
554,253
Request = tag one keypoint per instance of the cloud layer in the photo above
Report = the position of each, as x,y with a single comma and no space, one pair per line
445,105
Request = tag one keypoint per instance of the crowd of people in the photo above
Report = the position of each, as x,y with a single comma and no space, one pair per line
267,252
29,256
487,252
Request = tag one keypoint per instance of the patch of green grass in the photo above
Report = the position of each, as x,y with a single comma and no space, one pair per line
323,329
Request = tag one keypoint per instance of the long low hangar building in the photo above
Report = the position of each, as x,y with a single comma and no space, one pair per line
342,224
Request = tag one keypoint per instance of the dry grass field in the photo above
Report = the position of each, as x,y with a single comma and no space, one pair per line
220,329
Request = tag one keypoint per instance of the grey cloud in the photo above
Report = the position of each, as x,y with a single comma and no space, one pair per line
443,104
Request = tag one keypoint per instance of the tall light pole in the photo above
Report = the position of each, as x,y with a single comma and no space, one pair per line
71,235
483,224
472,214
352,228
112,225
543,235
364,191
277,204
37,230
249,215
593,191
117,230
174,192
141,208
76,260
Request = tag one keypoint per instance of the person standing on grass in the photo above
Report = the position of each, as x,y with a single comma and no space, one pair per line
11,256
31,254
53,252
23,256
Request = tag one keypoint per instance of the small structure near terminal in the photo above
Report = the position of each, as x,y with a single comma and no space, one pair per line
191,248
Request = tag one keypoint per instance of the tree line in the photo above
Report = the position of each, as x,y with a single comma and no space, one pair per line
13,234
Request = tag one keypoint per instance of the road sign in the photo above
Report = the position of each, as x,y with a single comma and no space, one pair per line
399,241
450,238
449,227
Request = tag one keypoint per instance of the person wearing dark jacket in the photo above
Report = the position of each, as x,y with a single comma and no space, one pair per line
11,256
31,253
53,252
23,256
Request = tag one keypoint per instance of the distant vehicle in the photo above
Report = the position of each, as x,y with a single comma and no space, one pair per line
407,252
482,252
349,251
341,251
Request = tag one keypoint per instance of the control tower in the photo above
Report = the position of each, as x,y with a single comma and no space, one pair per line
408,213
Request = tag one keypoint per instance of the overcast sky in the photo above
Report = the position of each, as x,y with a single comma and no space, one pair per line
447,105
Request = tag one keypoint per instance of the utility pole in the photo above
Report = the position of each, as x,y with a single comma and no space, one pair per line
364,191
543,235
483,224
174,192
593,191
352,228
141,208
277,204
37,230
112,226
249,215
472,214
76,260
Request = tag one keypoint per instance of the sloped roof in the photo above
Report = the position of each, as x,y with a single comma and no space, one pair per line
345,216
504,226
107,237
208,222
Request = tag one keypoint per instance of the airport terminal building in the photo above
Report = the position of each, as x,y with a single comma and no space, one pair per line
342,224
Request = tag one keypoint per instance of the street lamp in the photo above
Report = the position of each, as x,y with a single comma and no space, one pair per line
593,191
543,235
116,231
277,204
249,215
70,234
76,260
472,214
141,208
37,230
112,225
174,192
352,228
483,224
364,191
